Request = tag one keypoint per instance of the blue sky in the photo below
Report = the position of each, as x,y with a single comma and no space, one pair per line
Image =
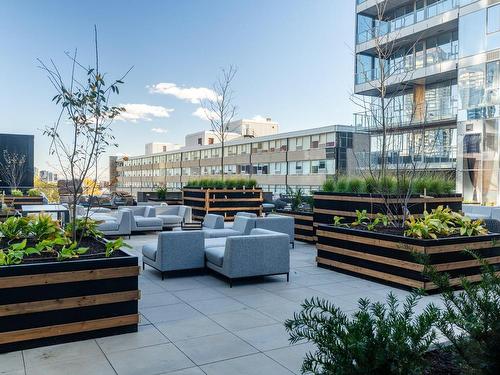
294,59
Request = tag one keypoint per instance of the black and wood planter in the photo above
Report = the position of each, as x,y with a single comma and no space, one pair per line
17,202
55,302
328,205
304,229
225,202
390,258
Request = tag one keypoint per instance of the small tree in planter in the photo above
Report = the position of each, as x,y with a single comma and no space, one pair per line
84,102
13,168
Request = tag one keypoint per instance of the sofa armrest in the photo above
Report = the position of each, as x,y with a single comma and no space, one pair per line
181,250
213,221
150,211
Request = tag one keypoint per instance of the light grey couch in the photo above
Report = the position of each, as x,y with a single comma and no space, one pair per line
212,221
173,216
143,218
112,223
278,223
242,226
245,214
175,251
479,212
261,253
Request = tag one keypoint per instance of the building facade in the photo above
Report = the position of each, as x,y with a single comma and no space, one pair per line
21,145
442,86
302,159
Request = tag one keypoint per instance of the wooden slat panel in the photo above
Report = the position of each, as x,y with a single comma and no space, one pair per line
378,200
460,247
371,241
371,257
302,237
68,328
194,199
67,303
304,227
351,213
66,277
456,281
464,264
224,190
211,200
233,209
299,217
372,273
345,198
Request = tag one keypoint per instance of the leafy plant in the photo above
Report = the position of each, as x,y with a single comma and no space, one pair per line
16,193
13,255
378,339
71,251
14,228
50,246
469,227
355,185
380,219
342,185
85,227
44,227
112,246
470,318
33,193
161,193
337,221
329,186
361,219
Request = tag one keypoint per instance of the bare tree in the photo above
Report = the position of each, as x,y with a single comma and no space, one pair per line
387,116
13,168
220,110
82,131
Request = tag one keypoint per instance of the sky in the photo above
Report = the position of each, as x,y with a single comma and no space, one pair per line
294,59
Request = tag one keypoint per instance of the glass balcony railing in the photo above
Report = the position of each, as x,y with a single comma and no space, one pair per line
418,15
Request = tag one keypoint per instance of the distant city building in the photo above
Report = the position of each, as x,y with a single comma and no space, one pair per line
47,176
21,145
301,159
207,137
157,147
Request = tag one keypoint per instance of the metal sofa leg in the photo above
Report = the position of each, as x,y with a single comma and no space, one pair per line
293,244
230,283
288,277
143,266
162,276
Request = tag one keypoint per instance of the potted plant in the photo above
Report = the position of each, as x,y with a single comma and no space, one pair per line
301,211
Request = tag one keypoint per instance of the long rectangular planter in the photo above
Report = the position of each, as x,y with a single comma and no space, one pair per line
17,202
304,229
56,302
390,258
328,205
225,202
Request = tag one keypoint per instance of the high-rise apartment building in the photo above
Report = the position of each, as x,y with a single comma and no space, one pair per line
439,63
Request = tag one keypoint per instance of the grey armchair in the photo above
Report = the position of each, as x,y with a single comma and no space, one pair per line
116,224
175,251
278,223
212,221
173,216
262,253
242,226
245,214
143,218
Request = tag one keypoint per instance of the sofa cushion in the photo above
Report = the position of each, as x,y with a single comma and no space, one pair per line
215,242
170,219
149,251
243,224
148,221
108,226
213,221
216,233
215,255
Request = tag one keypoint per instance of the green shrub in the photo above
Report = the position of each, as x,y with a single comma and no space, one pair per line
387,185
378,339
371,185
329,185
161,193
14,227
16,193
470,318
218,183
43,227
342,184
85,227
33,193
355,185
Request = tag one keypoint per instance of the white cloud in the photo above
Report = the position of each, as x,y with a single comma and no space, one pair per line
204,114
191,94
143,112
159,130
259,118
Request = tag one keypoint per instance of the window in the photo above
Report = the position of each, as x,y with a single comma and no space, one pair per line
200,141
314,141
493,19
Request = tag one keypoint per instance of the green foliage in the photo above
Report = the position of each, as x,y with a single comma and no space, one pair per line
356,185
361,219
227,183
161,193
337,221
51,246
371,185
71,251
378,339
112,246
14,228
342,185
13,255
85,227
329,185
44,227
33,193
16,193
380,219
470,318
443,222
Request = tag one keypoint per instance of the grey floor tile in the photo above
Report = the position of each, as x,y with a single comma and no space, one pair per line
280,311
198,294
158,299
259,299
291,357
300,294
242,319
149,360
10,362
217,305
62,353
189,328
180,283
257,364
340,289
187,371
149,287
83,366
266,338
145,336
214,348
168,313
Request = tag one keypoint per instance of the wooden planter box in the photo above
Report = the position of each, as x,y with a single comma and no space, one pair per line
304,229
389,258
328,205
225,202
17,202
56,302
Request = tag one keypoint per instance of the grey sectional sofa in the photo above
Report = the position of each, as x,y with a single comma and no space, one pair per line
143,218
175,251
260,253
242,226
112,223
278,223
173,216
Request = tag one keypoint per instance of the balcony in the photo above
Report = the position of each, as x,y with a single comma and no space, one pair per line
388,29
